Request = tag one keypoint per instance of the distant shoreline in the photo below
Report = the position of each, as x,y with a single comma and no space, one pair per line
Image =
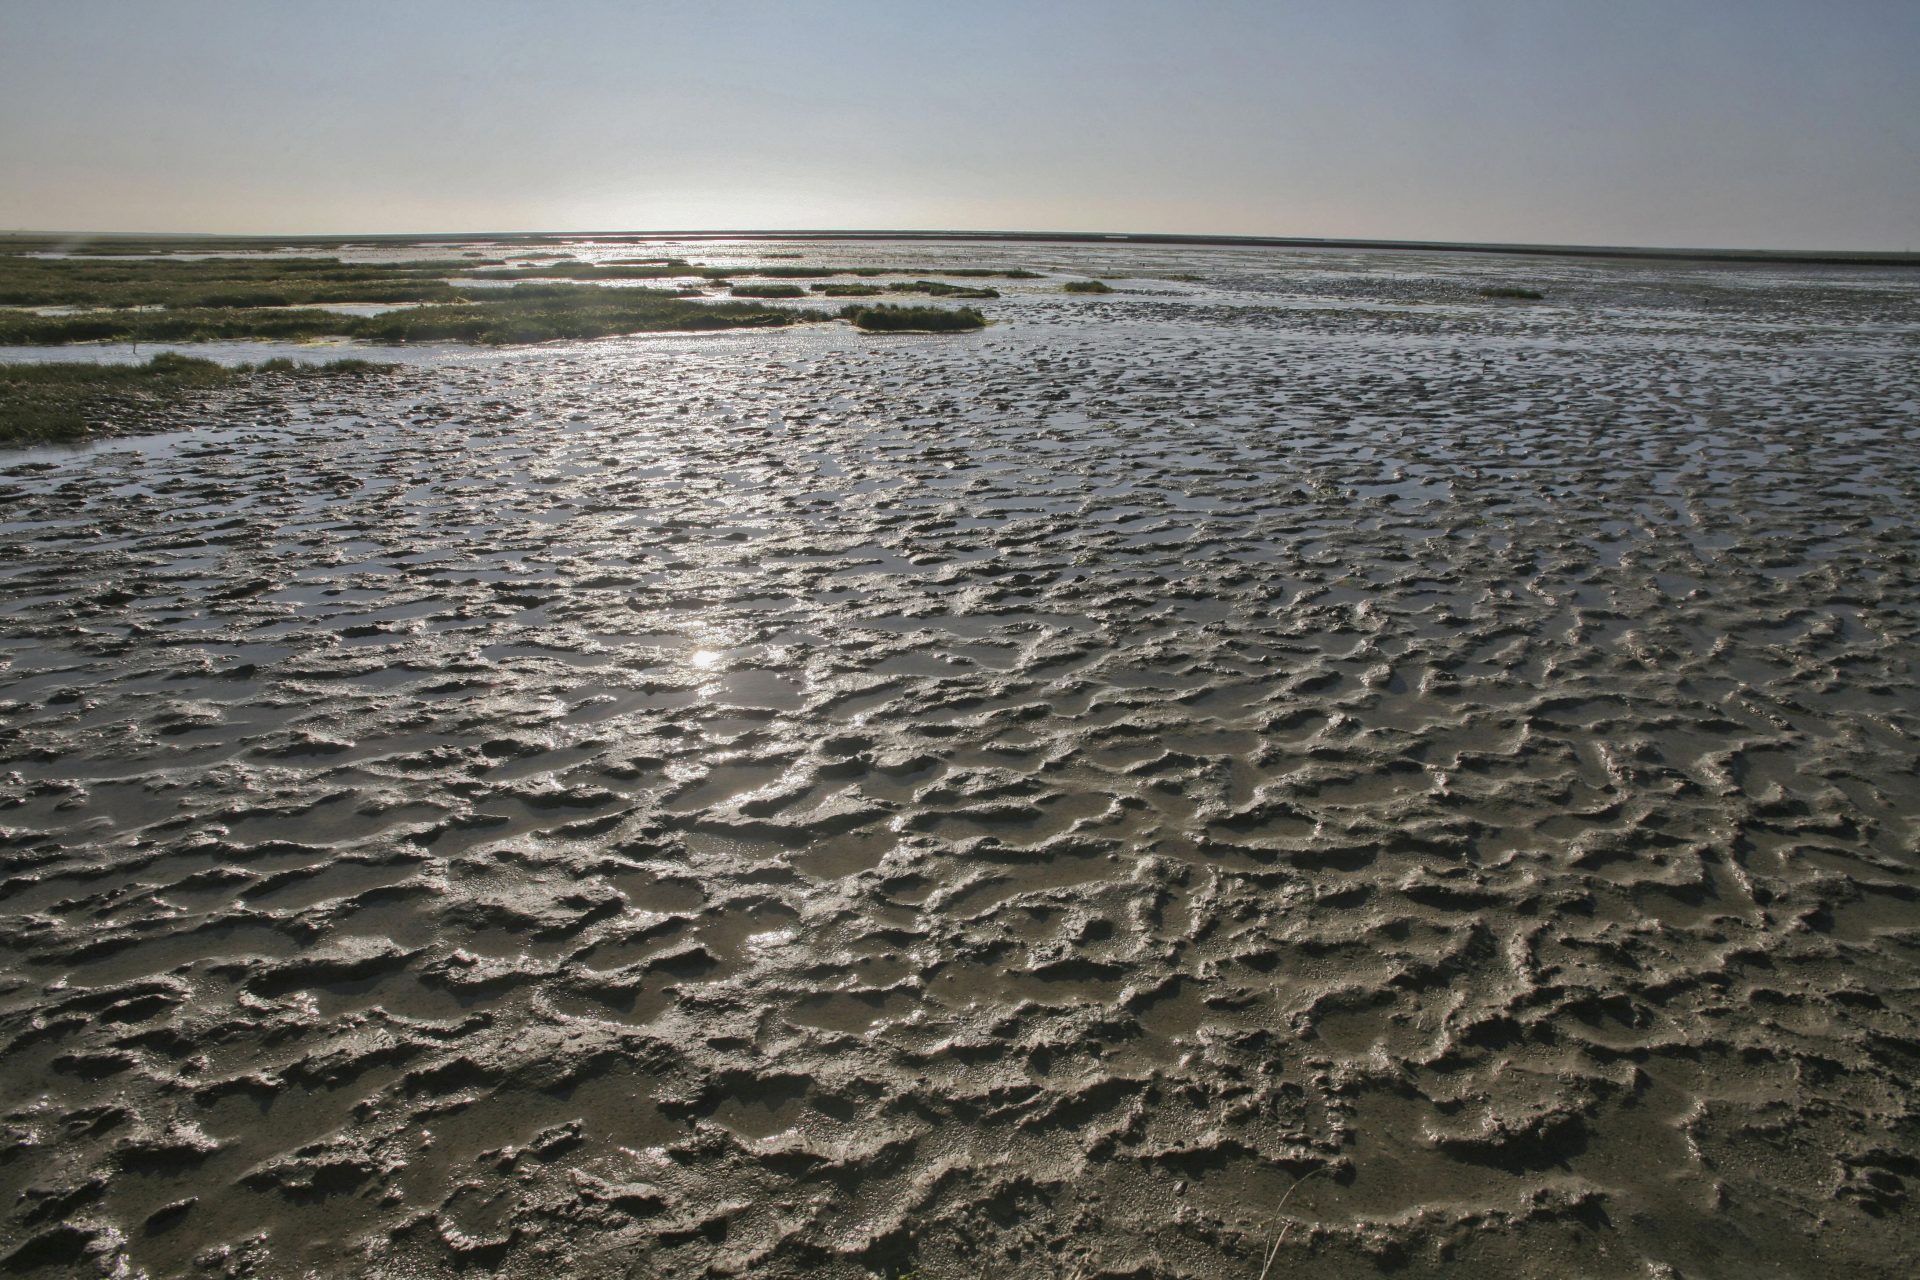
1834,257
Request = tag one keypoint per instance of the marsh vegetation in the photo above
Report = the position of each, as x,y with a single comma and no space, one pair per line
768,291
543,295
65,401
614,269
219,282
941,289
667,268
886,318
537,314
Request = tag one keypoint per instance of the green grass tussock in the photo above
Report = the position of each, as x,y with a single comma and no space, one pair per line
884,318
1088,286
306,369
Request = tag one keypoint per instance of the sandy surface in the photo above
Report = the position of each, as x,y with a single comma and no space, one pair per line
1011,804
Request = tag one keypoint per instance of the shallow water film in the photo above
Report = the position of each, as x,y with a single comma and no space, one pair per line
1290,764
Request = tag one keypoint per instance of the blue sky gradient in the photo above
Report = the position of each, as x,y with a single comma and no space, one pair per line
1688,122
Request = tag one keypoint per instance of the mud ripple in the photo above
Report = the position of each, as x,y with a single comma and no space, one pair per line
772,804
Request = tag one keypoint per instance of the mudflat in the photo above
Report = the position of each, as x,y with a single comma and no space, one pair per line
1309,763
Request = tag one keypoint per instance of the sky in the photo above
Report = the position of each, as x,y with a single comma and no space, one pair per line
1696,123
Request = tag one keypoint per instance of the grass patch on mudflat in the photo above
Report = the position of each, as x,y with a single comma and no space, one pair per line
941,289
978,273
615,269
186,324
890,319
865,273
221,298
663,268
45,402
578,312
1087,286
538,313
767,291
219,282
110,246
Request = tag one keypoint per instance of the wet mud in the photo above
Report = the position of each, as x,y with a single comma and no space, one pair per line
808,804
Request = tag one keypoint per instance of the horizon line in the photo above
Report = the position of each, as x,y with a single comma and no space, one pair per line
1846,257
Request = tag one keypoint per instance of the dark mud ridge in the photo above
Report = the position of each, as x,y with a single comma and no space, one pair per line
778,804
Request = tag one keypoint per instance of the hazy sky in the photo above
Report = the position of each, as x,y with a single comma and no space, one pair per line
1679,122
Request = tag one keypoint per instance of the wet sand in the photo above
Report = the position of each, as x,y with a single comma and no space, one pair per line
800,803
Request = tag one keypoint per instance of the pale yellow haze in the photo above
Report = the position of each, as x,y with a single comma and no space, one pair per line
1753,124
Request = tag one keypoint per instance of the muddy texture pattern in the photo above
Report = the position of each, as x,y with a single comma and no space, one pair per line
800,804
